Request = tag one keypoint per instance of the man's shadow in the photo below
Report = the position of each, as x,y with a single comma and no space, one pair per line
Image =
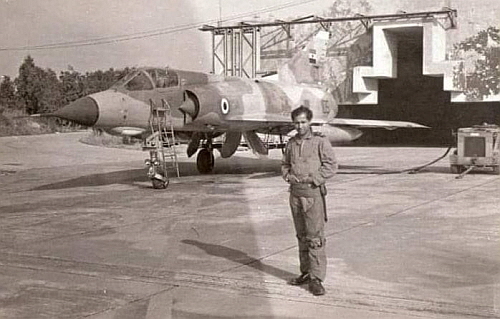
241,258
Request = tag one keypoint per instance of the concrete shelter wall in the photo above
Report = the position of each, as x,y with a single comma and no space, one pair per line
411,96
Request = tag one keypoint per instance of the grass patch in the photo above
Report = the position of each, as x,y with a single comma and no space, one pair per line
17,122
97,138
14,122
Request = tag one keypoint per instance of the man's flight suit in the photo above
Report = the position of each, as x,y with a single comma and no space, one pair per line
311,159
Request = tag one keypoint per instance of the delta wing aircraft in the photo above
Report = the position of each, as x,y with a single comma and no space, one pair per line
205,106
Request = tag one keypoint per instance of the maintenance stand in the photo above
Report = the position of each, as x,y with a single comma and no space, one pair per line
477,147
161,145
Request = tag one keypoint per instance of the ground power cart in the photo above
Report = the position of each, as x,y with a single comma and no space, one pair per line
477,147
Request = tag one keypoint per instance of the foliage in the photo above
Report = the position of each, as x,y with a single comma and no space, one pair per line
99,138
349,46
7,93
12,122
341,33
51,95
345,8
76,85
42,91
72,86
102,80
38,91
482,77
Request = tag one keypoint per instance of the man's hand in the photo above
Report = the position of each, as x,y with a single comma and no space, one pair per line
292,179
307,180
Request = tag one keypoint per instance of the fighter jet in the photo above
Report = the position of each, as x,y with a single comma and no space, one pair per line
205,106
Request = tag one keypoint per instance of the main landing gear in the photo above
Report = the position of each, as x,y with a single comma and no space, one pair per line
205,160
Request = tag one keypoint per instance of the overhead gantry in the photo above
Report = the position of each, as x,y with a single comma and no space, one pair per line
238,50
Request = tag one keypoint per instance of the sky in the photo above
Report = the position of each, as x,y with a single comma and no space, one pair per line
25,23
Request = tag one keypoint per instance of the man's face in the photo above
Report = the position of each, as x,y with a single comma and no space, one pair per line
302,124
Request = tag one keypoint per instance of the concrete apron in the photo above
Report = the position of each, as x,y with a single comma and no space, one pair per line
83,235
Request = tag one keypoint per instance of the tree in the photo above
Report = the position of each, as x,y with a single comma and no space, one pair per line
42,91
26,84
481,68
7,93
350,46
73,86
38,90
51,97
102,80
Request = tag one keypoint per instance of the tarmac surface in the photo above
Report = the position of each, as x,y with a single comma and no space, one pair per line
83,235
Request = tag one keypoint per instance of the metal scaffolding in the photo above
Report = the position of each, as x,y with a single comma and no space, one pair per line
237,50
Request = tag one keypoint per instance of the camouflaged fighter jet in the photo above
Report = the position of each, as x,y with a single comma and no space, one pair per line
205,106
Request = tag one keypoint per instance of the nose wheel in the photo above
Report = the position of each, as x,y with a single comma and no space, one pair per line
159,183
205,161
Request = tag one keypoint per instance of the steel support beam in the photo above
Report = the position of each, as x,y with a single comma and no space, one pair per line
238,48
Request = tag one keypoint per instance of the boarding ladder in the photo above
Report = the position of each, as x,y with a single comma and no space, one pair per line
161,143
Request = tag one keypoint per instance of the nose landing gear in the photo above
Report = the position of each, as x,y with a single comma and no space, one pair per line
160,183
157,171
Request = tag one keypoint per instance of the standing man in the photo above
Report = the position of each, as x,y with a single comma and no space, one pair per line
307,162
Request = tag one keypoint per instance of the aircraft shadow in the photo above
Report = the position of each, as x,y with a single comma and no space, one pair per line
240,257
118,177
238,166
254,167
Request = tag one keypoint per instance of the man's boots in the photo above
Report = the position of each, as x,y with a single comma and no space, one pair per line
316,288
300,280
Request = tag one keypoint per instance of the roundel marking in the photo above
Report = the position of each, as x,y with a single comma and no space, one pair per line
224,106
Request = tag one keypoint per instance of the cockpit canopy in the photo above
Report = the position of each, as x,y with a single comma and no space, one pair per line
148,79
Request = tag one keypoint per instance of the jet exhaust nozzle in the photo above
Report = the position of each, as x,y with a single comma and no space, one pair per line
190,106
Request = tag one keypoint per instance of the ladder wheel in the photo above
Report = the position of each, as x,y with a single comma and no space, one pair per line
159,184
457,169
205,161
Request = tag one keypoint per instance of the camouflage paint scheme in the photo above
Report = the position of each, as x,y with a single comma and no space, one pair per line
201,103
213,105
204,106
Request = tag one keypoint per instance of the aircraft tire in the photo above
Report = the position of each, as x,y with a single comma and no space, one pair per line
205,161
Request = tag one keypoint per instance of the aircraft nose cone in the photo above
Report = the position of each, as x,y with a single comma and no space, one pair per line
84,111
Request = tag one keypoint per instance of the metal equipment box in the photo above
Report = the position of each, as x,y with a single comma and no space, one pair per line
477,146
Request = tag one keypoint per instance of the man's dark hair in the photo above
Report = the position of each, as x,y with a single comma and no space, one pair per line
302,110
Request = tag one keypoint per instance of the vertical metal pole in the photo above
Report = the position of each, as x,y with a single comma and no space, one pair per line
252,49
257,50
287,38
232,53
225,53
241,52
214,53
236,51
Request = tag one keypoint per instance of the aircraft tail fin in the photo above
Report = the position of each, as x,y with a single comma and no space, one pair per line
305,65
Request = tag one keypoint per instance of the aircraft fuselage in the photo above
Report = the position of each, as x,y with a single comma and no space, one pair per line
199,102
